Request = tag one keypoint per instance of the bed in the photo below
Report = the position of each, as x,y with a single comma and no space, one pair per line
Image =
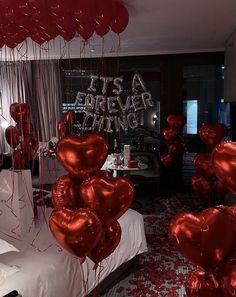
48,271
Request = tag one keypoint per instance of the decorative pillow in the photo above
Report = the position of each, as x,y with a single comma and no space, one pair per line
6,247
6,271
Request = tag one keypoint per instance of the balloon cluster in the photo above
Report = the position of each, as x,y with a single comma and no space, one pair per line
43,20
88,201
172,139
208,240
205,184
21,137
64,127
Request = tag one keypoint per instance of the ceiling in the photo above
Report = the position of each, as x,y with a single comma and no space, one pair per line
155,27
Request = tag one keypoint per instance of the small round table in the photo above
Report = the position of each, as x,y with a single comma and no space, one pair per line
122,169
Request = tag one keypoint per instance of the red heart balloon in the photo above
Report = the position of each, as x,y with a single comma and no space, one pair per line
108,244
167,160
202,284
202,187
65,193
212,134
197,236
12,135
70,117
176,121
223,160
169,133
19,112
29,146
82,156
26,128
203,165
109,197
62,128
19,160
77,231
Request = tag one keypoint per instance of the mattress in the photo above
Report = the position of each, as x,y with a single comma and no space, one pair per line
48,271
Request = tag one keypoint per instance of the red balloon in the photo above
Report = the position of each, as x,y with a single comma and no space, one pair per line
67,34
85,31
12,135
109,197
19,112
176,149
39,38
70,117
197,236
77,231
223,160
101,31
82,156
29,147
169,134
211,134
62,128
176,121
219,189
202,284
85,11
167,160
204,166
19,160
104,11
25,128
202,187
227,277
65,193
120,19
108,243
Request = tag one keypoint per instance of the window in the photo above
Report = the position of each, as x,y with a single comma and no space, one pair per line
191,112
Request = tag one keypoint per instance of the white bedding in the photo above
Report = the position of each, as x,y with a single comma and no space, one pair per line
55,273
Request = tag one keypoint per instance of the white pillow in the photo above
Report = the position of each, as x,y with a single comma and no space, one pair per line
6,247
6,271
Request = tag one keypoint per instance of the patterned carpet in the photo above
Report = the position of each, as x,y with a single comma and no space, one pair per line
162,271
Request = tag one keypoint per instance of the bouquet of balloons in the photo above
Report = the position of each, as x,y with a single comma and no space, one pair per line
87,201
21,136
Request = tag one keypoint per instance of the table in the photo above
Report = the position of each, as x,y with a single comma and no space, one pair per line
121,169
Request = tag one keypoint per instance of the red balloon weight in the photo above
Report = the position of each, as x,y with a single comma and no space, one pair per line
82,156
19,112
108,197
77,231
211,134
29,146
104,11
176,149
223,159
202,187
204,167
167,160
62,128
70,117
169,134
121,17
196,236
108,244
65,193
19,161
12,135
176,121
202,284
25,128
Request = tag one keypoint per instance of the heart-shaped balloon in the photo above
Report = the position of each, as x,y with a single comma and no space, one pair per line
202,284
176,121
197,236
203,165
29,146
12,135
65,193
224,163
77,231
63,129
70,117
19,112
109,197
107,244
82,156
25,128
212,134
169,133
202,188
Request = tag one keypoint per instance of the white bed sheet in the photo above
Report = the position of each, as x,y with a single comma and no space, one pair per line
55,273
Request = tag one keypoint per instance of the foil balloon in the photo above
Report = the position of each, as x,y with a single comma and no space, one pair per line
202,284
176,121
107,245
176,149
12,135
203,165
212,134
82,156
219,189
70,117
169,134
25,128
202,188
18,159
19,112
197,236
223,160
109,197
78,231
29,146
65,193
167,160
227,277
62,129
